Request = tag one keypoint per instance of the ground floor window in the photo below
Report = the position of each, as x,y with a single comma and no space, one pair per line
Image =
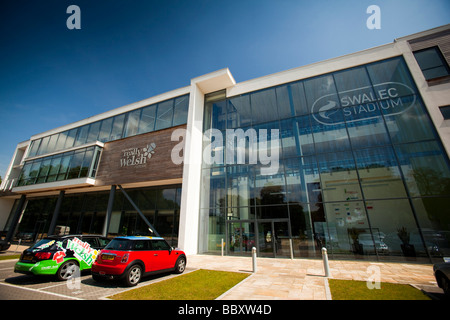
86,214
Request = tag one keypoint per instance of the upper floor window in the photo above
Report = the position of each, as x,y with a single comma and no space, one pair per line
445,110
432,63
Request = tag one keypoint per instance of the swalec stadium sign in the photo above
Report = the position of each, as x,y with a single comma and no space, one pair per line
364,103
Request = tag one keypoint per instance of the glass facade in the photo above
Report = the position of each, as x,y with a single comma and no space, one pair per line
86,213
75,164
157,116
361,170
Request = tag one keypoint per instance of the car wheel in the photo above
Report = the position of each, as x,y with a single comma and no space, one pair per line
133,275
68,270
180,265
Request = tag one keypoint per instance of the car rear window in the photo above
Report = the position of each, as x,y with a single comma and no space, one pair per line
120,244
44,244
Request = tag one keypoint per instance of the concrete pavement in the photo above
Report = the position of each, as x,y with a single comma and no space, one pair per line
299,279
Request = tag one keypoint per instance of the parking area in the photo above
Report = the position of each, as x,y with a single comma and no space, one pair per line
14,286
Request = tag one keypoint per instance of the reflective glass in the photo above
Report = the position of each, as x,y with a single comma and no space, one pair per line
147,122
180,113
105,130
425,168
338,176
164,115
434,220
379,173
70,140
117,129
240,186
239,112
394,224
301,174
132,123
330,135
94,131
82,135
264,106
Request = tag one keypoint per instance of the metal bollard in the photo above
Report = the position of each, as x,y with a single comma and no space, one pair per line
221,245
254,259
325,262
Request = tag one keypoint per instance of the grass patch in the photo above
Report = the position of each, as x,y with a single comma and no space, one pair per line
357,290
196,285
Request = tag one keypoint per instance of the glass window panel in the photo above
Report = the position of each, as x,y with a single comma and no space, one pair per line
87,162
43,171
296,137
94,131
239,112
147,123
164,115
43,146
393,223
117,127
264,106
34,147
132,123
75,165
25,173
51,147
352,81
301,175
412,124
425,168
298,98
388,71
331,135
213,190
64,166
285,102
270,189
181,109
54,168
218,115
105,130
321,93
379,173
70,140
347,230
271,212
368,132
437,72
338,176
240,187
82,135
428,58
34,172
61,140
434,219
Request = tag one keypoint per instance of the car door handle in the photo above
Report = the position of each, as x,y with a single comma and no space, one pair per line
155,254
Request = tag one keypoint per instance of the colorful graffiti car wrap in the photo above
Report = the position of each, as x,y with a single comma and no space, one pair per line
47,256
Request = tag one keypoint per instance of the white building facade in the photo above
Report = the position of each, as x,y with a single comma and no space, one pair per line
351,154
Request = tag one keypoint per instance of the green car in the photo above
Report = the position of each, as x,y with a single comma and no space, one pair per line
62,256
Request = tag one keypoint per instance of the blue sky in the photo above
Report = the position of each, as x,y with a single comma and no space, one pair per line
127,51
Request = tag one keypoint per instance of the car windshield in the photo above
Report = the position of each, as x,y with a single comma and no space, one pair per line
119,244
44,244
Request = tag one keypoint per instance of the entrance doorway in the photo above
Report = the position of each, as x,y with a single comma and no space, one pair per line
274,239
271,238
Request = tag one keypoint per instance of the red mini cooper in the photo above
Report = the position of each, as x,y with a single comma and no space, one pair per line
131,258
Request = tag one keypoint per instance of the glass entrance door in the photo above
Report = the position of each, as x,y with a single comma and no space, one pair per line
241,238
274,239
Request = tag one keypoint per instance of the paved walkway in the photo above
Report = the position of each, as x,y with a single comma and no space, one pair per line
300,279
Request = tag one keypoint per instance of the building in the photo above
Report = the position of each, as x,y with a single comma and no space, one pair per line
351,154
